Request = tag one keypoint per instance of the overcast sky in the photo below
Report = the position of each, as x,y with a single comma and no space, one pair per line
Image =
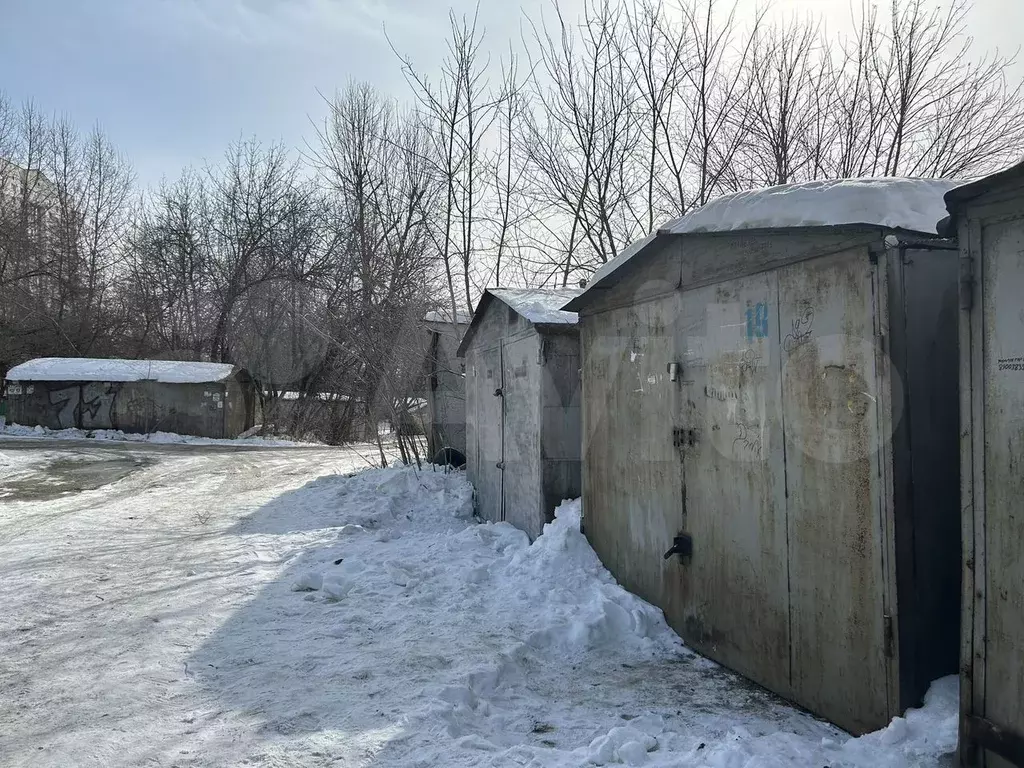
174,81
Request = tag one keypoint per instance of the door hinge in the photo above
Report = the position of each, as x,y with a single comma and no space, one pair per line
966,282
887,632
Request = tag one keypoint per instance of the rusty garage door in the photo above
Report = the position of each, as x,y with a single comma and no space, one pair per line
994,688
778,433
830,397
730,439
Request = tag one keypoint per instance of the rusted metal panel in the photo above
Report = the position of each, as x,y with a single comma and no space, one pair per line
972,485
1002,251
830,397
730,442
771,451
632,502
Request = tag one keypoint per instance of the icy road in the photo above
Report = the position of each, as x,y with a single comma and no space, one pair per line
202,606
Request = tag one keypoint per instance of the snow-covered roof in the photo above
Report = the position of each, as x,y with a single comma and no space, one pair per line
624,255
976,187
444,315
327,397
914,205
103,369
539,305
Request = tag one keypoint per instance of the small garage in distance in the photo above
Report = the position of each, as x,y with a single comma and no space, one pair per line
522,405
770,438
446,386
988,218
143,396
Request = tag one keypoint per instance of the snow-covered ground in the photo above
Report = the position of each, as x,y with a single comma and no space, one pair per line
18,430
263,608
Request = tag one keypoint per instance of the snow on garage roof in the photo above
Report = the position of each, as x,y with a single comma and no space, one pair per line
102,369
539,305
444,315
914,205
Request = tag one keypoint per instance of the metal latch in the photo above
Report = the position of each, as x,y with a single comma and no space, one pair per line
500,465
682,545
499,392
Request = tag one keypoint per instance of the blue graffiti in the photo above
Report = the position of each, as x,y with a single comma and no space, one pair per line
757,321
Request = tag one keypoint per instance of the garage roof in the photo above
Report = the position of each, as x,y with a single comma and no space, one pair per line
112,369
539,306
911,205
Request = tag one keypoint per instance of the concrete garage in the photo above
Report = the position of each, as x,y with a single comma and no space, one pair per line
446,387
988,217
143,396
522,405
770,432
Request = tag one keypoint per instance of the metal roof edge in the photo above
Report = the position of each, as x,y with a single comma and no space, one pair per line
663,236
980,186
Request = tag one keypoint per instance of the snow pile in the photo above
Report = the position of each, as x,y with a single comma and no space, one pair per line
102,369
583,606
916,205
116,435
556,664
247,607
539,305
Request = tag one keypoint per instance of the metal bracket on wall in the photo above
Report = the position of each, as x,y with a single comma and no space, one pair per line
682,545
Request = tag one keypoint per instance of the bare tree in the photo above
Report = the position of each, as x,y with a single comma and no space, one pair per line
459,111
584,131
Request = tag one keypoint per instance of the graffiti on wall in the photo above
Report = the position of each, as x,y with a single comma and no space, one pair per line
90,406
64,404
97,405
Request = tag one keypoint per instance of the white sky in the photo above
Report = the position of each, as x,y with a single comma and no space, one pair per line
174,81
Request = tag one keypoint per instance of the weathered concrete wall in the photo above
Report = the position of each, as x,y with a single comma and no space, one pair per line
991,234
769,451
446,390
208,410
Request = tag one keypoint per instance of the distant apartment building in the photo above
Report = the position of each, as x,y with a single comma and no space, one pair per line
27,200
